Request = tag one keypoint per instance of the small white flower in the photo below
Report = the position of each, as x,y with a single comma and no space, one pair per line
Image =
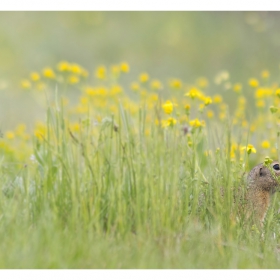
32,158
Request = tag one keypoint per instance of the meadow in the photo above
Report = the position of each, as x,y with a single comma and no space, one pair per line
116,168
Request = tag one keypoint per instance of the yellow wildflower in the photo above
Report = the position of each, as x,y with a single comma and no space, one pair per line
168,107
113,109
222,115
147,132
237,87
277,92
40,130
73,79
115,69
40,86
235,120
224,107
75,127
143,93
265,74
217,98
262,92
233,149
241,101
210,114
172,121
169,122
156,85
175,83
20,129
144,77
153,97
265,144
253,127
260,103
207,100
124,67
196,123
81,109
249,148
201,107
193,93
273,152
156,122
183,119
100,73
34,76
202,82
65,101
253,82
10,135
25,84
76,69
48,73
187,108
84,100
135,86
244,123
90,91
63,66
115,90
102,91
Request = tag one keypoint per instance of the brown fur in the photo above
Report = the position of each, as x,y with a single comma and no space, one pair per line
262,184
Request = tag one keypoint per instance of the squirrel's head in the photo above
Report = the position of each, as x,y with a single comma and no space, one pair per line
263,177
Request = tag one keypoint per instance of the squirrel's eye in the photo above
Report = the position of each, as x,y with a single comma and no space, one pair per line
276,167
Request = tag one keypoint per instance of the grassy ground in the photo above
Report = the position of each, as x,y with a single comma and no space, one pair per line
121,199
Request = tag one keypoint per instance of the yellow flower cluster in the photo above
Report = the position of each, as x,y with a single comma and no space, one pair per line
177,105
168,107
197,123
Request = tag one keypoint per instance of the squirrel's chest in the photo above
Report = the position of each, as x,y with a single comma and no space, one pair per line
261,201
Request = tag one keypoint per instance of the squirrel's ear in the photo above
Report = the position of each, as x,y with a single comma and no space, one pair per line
260,172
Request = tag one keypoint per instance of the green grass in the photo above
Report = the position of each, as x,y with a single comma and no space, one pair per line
121,199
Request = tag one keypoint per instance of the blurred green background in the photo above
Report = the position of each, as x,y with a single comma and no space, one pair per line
185,45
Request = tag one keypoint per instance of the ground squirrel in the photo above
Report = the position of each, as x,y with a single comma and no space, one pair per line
262,184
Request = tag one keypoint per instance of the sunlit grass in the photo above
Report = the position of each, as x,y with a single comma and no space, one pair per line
137,177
